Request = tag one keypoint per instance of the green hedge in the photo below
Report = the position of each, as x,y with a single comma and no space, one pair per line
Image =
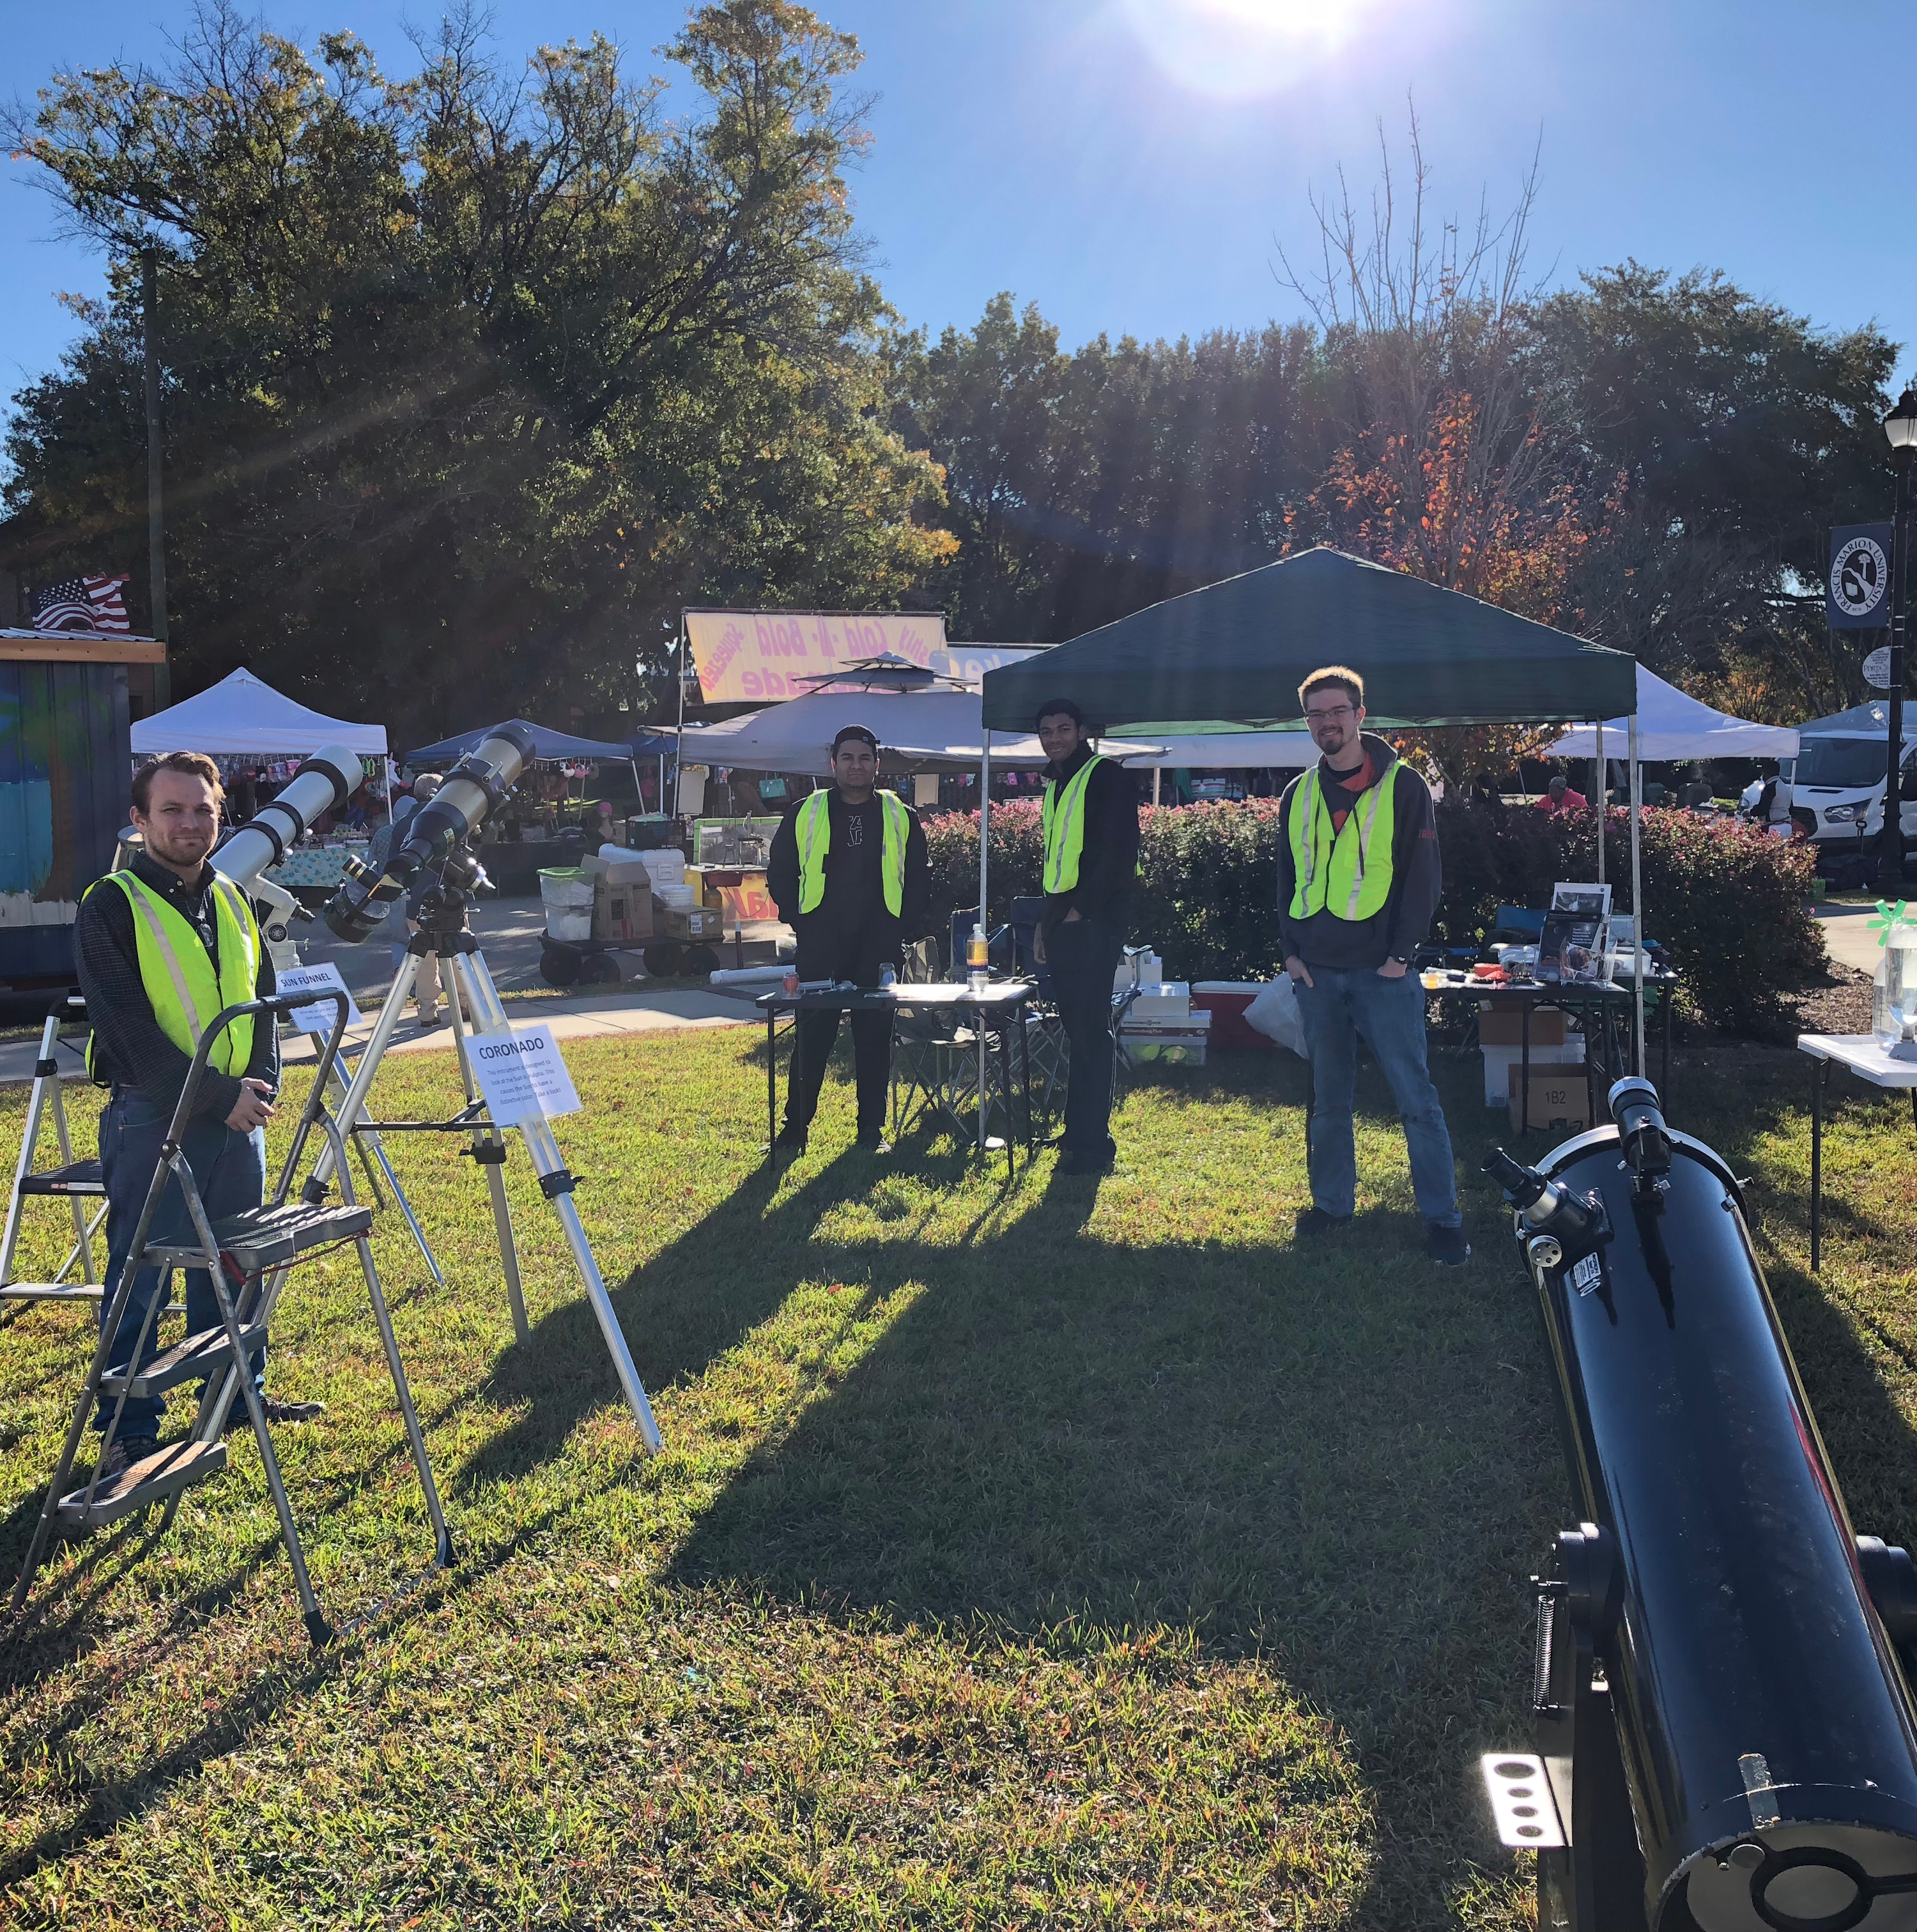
1730,903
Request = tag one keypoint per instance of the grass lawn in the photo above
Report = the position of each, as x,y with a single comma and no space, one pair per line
1071,1555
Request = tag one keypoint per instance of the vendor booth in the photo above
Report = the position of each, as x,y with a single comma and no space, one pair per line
1229,658
553,820
242,722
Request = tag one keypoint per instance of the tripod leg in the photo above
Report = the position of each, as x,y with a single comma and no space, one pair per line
491,1143
441,1536
379,1153
489,1017
384,1027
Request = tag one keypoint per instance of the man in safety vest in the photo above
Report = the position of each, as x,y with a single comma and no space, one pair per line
161,945
1357,884
1090,819
848,874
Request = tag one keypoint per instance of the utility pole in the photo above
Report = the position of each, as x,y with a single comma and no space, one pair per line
156,542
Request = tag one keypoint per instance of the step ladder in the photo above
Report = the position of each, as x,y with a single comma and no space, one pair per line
77,1182
247,1257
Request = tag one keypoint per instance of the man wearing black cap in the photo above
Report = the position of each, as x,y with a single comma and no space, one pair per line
1091,857
848,874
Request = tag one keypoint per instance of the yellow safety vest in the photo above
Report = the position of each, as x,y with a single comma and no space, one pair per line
813,829
177,974
1063,816
1347,872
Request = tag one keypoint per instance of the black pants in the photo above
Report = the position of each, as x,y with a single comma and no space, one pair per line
857,956
1082,956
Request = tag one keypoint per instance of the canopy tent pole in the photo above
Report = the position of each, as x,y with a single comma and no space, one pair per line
679,738
1601,801
985,880
1637,897
1157,773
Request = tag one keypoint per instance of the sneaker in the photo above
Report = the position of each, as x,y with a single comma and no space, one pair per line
1314,1220
791,1140
1446,1247
873,1140
126,1451
276,1411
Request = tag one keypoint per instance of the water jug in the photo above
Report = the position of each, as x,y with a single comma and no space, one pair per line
1894,987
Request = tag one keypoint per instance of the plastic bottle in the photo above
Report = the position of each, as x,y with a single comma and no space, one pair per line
978,961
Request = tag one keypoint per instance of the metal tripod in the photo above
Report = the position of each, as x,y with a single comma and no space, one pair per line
473,1003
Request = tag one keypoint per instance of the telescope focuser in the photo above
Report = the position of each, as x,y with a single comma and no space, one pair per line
1552,1222
1642,1133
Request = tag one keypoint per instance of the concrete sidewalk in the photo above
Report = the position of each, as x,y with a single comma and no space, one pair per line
600,1016
1847,933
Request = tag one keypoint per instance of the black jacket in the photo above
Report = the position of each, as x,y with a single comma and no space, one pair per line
1108,862
1401,927
129,1049
844,910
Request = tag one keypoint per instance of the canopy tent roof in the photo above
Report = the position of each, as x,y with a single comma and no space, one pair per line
1870,719
1234,654
926,730
1672,725
241,714
545,745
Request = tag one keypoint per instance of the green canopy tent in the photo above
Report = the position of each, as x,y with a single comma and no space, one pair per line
1230,656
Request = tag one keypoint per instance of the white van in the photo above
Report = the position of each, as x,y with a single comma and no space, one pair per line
1836,779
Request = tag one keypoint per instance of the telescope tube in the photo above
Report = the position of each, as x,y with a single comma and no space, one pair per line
327,779
473,788
1763,1717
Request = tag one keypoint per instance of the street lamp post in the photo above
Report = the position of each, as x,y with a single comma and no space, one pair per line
1900,427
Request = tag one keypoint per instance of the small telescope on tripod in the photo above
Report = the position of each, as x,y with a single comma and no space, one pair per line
1726,1740
433,868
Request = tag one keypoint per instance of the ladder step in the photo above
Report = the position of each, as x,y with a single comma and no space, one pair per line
197,1355
263,1237
178,1466
67,1290
83,1177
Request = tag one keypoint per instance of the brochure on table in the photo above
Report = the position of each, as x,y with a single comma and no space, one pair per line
1572,945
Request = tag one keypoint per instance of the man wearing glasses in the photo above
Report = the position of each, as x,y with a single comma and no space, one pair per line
1357,884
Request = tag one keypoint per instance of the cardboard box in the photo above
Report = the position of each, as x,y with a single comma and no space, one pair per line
1163,1046
691,923
621,912
1560,1100
1504,1026
617,871
1498,1061
1161,1007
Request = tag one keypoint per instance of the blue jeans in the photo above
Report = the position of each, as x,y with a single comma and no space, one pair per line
229,1168
1338,1006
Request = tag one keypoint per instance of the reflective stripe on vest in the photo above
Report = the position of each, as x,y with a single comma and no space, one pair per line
177,972
812,829
1335,870
1063,817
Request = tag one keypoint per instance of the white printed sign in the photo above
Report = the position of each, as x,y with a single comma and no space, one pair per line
318,1017
523,1075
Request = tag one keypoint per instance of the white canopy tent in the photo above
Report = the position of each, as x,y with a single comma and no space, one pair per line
945,728
1673,725
241,714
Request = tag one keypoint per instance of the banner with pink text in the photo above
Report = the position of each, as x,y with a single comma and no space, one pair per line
748,657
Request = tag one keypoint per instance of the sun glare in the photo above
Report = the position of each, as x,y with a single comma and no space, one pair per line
1238,49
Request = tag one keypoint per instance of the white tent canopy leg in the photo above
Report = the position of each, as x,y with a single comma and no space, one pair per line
1637,897
1602,792
984,881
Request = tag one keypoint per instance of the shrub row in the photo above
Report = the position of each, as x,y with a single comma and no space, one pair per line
1729,903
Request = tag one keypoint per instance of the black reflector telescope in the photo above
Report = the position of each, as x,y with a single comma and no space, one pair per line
1726,1740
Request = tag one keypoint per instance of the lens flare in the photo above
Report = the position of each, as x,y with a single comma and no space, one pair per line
1239,49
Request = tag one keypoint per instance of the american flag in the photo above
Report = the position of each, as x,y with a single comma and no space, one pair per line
81,604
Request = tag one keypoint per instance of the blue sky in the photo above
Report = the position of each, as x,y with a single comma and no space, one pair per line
1133,165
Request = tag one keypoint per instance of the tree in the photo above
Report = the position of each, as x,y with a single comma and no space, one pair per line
473,380
1744,432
